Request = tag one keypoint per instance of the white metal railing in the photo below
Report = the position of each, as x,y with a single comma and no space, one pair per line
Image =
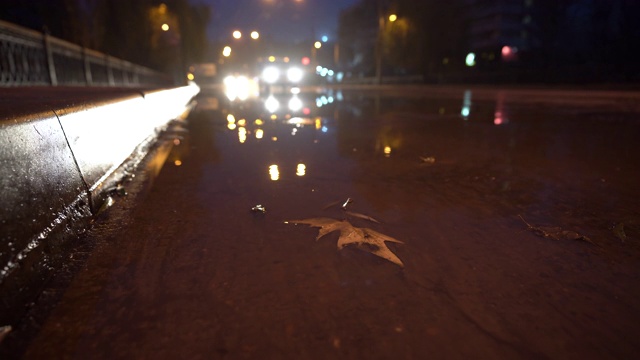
29,57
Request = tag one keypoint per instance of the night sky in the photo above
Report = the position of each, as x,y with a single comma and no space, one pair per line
285,20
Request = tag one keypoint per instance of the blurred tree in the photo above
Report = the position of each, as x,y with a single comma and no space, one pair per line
123,29
185,41
61,18
126,29
357,29
437,33
400,45
193,25
425,33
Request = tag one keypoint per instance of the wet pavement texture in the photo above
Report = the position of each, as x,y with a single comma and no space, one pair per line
518,217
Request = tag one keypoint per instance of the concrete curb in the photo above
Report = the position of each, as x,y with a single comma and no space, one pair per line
58,167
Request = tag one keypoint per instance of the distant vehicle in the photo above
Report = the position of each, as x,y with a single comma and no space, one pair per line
280,74
203,74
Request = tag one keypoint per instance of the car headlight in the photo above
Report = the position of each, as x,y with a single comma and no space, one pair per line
294,74
270,74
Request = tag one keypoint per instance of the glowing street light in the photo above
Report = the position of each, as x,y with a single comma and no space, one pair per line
393,17
165,27
226,52
255,35
317,45
470,60
237,34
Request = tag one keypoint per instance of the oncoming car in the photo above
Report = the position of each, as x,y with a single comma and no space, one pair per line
280,75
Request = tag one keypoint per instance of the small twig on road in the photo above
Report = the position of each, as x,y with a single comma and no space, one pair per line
556,233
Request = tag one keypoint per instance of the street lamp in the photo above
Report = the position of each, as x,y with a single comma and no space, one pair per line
378,49
165,27
237,34
226,52
317,45
255,35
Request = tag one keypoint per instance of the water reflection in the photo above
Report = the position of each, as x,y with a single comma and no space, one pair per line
466,105
500,116
272,104
290,124
274,173
301,170
242,135
261,128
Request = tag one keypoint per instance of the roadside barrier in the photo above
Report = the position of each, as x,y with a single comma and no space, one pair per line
31,58
58,167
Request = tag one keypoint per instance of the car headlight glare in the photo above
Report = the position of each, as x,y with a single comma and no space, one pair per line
270,74
294,74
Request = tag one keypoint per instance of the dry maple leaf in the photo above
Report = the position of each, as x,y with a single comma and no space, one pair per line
364,238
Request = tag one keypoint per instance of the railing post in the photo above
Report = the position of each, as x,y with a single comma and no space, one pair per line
109,71
53,79
124,70
136,78
88,78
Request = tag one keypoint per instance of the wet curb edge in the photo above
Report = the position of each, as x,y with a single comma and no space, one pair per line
58,167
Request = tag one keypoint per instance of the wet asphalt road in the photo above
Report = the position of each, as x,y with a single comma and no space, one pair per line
518,213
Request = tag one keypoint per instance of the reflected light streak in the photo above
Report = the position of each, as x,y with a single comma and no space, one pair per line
295,104
242,122
242,135
272,104
300,121
274,173
259,133
258,122
500,115
231,119
301,170
231,126
466,104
